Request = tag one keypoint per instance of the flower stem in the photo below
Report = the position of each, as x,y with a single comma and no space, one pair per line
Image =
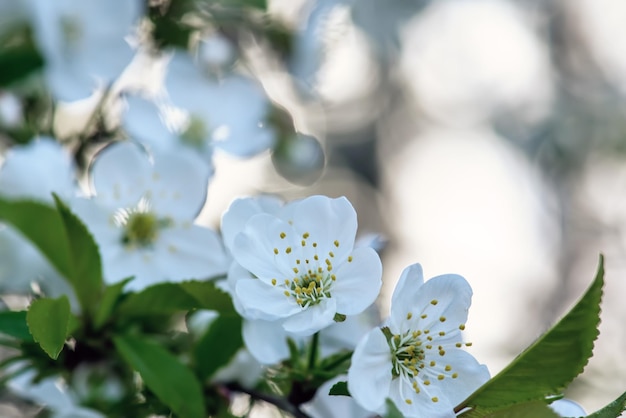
274,400
313,351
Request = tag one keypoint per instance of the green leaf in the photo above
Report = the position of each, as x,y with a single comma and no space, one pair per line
17,63
209,296
612,410
339,389
551,362
160,299
13,323
63,240
169,298
110,297
534,409
86,275
43,226
48,321
171,381
218,345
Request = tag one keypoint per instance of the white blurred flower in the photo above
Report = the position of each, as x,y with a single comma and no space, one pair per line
305,264
164,129
11,110
229,113
567,408
32,171
416,359
83,42
142,217
51,393
36,170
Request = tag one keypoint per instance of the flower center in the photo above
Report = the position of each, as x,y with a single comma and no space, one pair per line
314,273
140,225
407,354
71,30
141,229
196,132
310,288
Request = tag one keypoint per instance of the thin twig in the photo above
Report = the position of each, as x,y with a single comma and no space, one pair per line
274,400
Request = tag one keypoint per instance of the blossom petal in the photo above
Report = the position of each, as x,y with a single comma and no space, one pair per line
441,304
36,170
179,184
263,301
471,375
190,252
266,340
358,282
369,376
143,121
120,262
235,273
260,249
312,319
407,288
332,223
121,174
430,402
241,210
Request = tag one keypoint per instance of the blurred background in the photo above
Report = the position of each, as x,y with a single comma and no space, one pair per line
485,138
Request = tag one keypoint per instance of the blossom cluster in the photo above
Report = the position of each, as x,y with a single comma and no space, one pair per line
135,173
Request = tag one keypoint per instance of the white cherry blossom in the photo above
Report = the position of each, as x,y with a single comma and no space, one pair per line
83,42
142,217
305,265
416,359
228,113
52,393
